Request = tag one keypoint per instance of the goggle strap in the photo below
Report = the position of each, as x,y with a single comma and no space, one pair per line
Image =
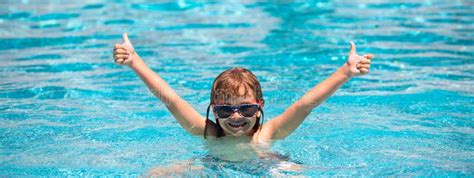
207,119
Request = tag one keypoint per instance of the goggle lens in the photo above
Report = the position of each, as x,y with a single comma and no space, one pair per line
246,110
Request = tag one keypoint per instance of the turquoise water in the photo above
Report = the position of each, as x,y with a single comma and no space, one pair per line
67,109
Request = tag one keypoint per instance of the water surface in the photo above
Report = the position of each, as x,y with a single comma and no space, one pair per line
67,109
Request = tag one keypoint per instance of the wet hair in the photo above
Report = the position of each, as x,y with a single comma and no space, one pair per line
228,85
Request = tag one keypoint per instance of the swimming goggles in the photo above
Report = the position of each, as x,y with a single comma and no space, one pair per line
245,110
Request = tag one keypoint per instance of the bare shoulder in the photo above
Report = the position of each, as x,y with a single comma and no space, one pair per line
266,132
212,130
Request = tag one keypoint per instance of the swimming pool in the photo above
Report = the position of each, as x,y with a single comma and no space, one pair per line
67,109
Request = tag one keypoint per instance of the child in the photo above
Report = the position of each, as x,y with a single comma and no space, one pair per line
236,99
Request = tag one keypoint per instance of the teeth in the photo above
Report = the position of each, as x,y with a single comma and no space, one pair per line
237,124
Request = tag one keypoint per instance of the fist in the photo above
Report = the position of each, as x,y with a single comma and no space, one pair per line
123,53
358,65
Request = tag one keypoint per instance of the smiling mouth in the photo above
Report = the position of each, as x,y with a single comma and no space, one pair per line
237,125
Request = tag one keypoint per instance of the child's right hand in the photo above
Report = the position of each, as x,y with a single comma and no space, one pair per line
124,53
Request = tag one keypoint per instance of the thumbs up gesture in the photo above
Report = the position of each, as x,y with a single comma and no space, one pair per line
124,53
358,65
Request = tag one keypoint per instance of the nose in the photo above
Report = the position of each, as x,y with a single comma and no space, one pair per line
235,115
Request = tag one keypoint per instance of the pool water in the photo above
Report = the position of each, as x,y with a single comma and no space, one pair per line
67,109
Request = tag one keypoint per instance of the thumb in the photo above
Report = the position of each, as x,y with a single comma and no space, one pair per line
126,42
353,48
125,39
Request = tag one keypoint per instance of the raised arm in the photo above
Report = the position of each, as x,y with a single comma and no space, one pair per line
190,119
284,124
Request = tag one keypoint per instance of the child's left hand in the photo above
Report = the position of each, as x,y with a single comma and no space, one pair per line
358,65
124,53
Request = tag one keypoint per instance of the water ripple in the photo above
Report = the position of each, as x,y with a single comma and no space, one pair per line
62,97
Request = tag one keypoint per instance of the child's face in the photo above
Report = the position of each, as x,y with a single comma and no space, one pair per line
237,124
